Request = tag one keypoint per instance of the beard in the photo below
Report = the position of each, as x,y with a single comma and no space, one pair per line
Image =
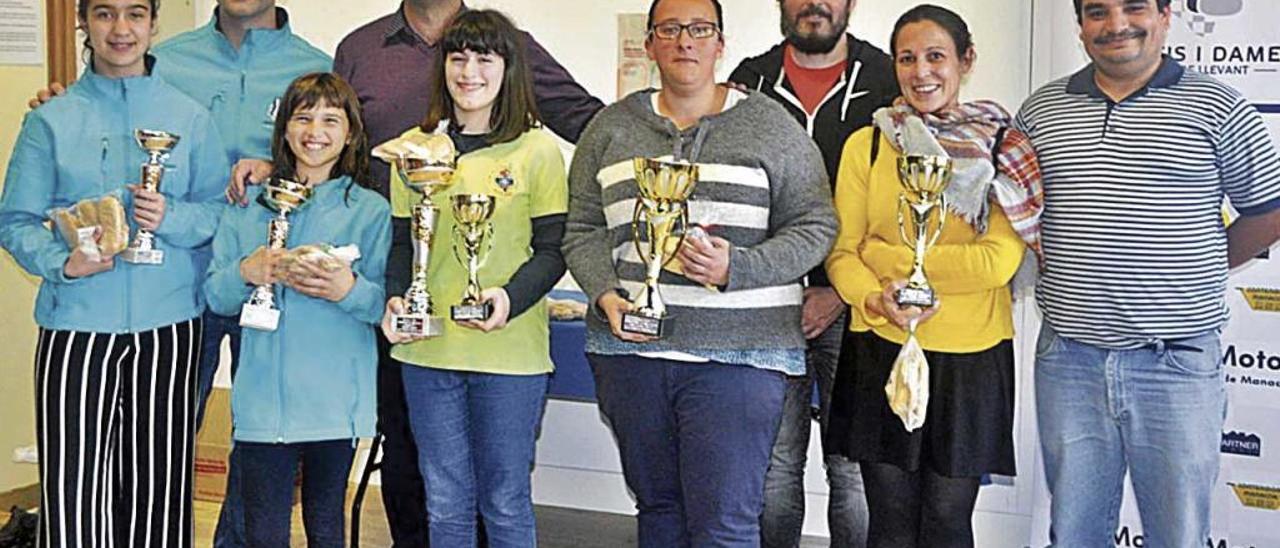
814,42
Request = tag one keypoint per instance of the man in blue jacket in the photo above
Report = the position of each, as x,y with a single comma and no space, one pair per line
237,66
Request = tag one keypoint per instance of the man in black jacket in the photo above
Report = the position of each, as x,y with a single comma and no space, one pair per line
831,82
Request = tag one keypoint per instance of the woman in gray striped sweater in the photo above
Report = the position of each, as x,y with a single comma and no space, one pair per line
695,412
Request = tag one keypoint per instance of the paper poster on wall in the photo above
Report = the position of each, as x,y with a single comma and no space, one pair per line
21,42
1234,41
635,70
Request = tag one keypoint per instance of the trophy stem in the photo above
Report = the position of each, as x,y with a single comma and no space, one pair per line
419,319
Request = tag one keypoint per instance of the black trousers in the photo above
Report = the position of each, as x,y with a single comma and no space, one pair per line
115,428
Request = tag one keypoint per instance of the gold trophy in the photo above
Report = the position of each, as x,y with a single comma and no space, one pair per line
158,145
471,231
924,178
426,169
661,213
283,197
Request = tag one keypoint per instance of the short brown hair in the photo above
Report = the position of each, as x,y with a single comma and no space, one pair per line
1160,5
306,92
515,110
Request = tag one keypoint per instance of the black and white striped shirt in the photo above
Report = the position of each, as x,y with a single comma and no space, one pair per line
1134,240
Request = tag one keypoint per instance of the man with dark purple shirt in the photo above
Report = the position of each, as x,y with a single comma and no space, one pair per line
392,64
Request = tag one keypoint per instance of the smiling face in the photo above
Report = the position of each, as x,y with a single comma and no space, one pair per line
928,67
317,136
815,26
473,81
1124,37
685,61
120,35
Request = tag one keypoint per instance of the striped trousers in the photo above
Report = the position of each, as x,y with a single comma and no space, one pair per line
115,424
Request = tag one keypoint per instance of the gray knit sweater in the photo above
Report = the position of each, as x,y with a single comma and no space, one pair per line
762,186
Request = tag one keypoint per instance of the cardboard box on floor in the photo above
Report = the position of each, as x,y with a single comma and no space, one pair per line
213,450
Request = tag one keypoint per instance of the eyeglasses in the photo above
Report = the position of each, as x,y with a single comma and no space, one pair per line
699,30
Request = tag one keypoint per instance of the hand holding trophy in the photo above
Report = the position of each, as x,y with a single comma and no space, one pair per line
924,179
283,197
425,163
662,213
158,145
472,231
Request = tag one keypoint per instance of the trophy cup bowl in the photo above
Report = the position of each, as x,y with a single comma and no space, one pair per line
157,144
283,197
427,167
664,189
924,179
472,229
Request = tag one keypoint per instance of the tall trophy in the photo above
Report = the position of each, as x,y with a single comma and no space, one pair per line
427,169
283,197
924,178
471,231
158,145
661,214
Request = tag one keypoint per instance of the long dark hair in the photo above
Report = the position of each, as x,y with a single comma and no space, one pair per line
82,13
306,92
515,110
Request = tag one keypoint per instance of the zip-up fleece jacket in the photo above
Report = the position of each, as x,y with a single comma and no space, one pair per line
761,186
313,378
241,88
867,84
81,145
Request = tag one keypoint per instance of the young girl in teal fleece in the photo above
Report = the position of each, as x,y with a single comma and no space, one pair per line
305,391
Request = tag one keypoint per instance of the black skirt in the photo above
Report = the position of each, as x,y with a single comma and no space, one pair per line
968,427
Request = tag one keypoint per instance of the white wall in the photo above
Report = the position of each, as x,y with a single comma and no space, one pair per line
577,461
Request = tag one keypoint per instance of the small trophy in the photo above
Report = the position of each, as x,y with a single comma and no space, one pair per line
158,145
427,171
924,178
283,197
471,230
661,213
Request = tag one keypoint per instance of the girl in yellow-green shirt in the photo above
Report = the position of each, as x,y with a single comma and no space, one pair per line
475,392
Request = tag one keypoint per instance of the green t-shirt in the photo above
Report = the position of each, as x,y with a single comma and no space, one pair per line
527,176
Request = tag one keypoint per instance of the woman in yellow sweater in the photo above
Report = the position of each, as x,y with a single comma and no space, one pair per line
921,485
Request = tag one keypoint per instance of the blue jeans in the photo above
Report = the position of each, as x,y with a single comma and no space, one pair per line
269,470
695,440
230,530
784,499
1156,412
475,434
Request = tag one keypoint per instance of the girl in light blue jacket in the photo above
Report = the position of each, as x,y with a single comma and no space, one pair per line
118,341
305,391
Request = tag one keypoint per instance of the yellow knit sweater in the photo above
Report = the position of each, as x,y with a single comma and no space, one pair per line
969,271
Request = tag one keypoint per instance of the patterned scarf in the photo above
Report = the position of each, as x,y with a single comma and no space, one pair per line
966,134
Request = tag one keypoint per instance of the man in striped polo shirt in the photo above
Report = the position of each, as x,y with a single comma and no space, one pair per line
1138,155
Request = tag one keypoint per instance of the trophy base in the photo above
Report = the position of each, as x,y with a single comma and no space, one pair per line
922,297
417,325
259,317
142,256
641,324
467,312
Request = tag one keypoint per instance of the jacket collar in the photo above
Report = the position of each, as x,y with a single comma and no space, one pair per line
116,87
1083,82
256,38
